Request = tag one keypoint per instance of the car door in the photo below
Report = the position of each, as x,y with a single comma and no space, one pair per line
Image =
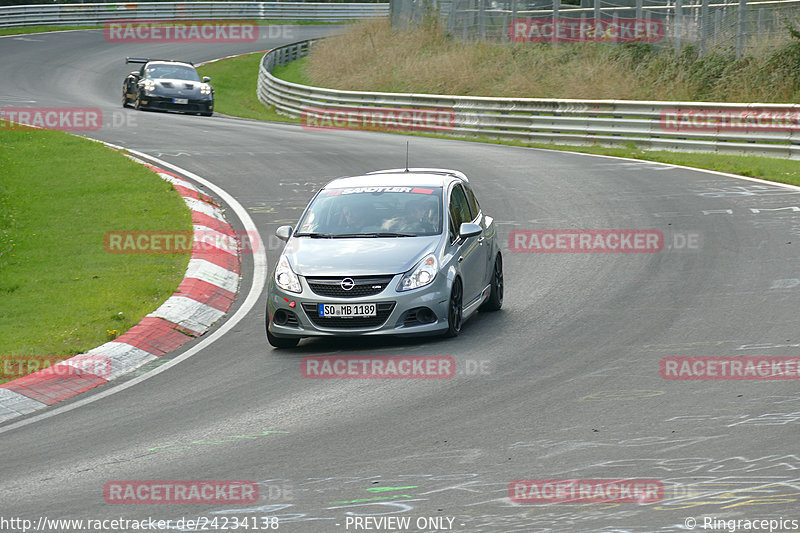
488,231
470,252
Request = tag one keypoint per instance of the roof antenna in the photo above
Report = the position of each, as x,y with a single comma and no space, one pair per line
406,156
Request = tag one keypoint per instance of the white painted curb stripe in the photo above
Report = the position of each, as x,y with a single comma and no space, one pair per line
124,357
214,274
205,208
188,313
13,404
178,181
210,238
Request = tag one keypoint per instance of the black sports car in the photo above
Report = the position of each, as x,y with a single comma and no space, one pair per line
167,85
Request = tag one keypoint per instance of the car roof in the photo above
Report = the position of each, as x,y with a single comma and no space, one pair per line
400,177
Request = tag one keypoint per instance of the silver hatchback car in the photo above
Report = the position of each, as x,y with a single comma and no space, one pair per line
392,252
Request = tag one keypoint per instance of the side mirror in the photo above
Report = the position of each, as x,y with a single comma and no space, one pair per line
468,229
283,233
206,79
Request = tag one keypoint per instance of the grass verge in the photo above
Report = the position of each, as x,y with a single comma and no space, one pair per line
372,56
61,293
235,81
40,29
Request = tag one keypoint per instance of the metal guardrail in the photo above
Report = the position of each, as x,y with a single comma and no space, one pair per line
98,14
753,129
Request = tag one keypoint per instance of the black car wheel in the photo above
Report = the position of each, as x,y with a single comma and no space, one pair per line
495,300
455,312
124,98
281,342
138,103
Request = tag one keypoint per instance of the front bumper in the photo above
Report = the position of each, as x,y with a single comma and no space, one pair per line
166,103
420,311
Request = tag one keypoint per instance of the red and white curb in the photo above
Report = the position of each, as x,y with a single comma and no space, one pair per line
203,297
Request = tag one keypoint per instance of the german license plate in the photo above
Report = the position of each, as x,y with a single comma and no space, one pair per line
180,100
347,310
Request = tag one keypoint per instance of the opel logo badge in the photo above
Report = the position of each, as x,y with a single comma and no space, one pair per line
347,284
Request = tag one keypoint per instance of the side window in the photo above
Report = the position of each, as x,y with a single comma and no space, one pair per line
474,206
459,211
453,228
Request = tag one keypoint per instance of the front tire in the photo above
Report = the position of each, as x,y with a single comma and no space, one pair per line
138,103
495,300
124,98
281,342
455,310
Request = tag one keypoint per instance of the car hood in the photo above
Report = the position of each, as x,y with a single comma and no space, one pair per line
357,257
178,87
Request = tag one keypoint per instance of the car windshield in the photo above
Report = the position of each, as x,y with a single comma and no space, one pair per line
172,72
374,212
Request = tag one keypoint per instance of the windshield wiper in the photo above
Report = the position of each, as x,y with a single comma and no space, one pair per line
373,234
314,235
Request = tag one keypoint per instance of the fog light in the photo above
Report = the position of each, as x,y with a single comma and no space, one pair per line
280,318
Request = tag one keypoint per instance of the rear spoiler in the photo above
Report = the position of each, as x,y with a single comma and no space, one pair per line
147,59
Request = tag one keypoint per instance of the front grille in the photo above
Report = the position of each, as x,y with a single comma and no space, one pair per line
363,286
384,310
166,103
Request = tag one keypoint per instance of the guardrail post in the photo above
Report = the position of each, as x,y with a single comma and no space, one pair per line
464,19
741,28
513,16
556,7
596,19
704,23
482,18
677,23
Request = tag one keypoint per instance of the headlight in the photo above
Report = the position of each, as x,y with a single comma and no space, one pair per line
149,85
285,278
205,89
422,275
